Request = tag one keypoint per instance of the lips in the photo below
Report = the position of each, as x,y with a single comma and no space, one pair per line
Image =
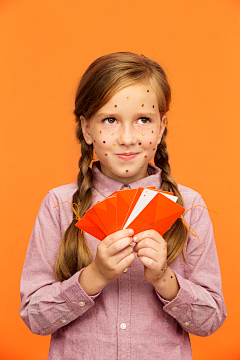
127,156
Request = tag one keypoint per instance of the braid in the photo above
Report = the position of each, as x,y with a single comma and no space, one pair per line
74,253
177,234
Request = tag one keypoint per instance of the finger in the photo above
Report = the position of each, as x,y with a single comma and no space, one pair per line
110,239
149,263
117,258
126,261
119,245
152,254
149,243
153,234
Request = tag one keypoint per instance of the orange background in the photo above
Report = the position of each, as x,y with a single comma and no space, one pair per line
45,47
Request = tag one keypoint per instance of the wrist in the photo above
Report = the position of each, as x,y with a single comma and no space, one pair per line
167,285
91,280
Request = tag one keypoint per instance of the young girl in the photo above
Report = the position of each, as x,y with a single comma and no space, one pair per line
129,296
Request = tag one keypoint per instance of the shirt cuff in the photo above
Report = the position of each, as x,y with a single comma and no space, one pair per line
75,296
178,306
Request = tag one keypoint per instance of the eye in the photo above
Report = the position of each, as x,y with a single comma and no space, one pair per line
145,120
111,120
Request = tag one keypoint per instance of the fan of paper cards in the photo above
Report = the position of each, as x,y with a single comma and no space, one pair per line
138,209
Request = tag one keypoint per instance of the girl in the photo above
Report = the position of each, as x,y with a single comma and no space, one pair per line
126,297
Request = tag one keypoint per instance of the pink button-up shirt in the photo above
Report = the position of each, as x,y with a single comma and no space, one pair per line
128,319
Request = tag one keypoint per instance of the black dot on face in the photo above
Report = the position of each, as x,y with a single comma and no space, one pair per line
104,141
139,143
126,170
147,90
153,106
171,277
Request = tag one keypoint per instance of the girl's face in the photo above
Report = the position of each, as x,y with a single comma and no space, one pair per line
125,133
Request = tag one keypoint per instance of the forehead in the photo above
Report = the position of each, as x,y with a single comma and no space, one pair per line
136,95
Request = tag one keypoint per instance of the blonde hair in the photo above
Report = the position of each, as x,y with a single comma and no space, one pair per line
103,78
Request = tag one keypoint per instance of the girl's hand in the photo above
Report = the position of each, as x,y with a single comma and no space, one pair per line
151,249
114,254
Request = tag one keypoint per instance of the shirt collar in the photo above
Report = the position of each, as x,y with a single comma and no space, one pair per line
106,186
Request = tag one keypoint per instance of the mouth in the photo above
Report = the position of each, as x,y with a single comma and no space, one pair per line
127,156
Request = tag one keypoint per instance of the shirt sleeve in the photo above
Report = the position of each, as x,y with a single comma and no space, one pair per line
199,306
47,304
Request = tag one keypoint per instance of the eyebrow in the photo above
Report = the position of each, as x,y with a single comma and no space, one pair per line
138,114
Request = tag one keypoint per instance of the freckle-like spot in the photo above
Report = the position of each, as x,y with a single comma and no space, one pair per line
110,167
112,133
145,156
105,154
152,131
142,134
115,105
153,148
158,278
142,105
147,90
114,144
104,141
164,280
100,131
139,143
150,143
158,125
92,127
153,106
171,277
141,167
128,97
158,137
161,269
126,170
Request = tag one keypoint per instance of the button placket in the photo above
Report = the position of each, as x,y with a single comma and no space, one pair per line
124,313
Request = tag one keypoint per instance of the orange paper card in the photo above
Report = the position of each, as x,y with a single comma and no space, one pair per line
139,209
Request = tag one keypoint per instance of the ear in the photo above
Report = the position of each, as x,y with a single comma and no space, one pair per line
163,123
85,124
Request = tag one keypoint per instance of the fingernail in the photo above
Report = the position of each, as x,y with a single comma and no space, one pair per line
134,238
131,232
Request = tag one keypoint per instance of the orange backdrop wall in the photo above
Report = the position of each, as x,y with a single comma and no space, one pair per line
45,47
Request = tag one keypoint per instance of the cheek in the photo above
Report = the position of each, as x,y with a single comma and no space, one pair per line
150,141
104,142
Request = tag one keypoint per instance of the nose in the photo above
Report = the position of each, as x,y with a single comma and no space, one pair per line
127,135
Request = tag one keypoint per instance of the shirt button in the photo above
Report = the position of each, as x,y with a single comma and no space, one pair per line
64,321
175,308
123,326
186,323
125,270
81,303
